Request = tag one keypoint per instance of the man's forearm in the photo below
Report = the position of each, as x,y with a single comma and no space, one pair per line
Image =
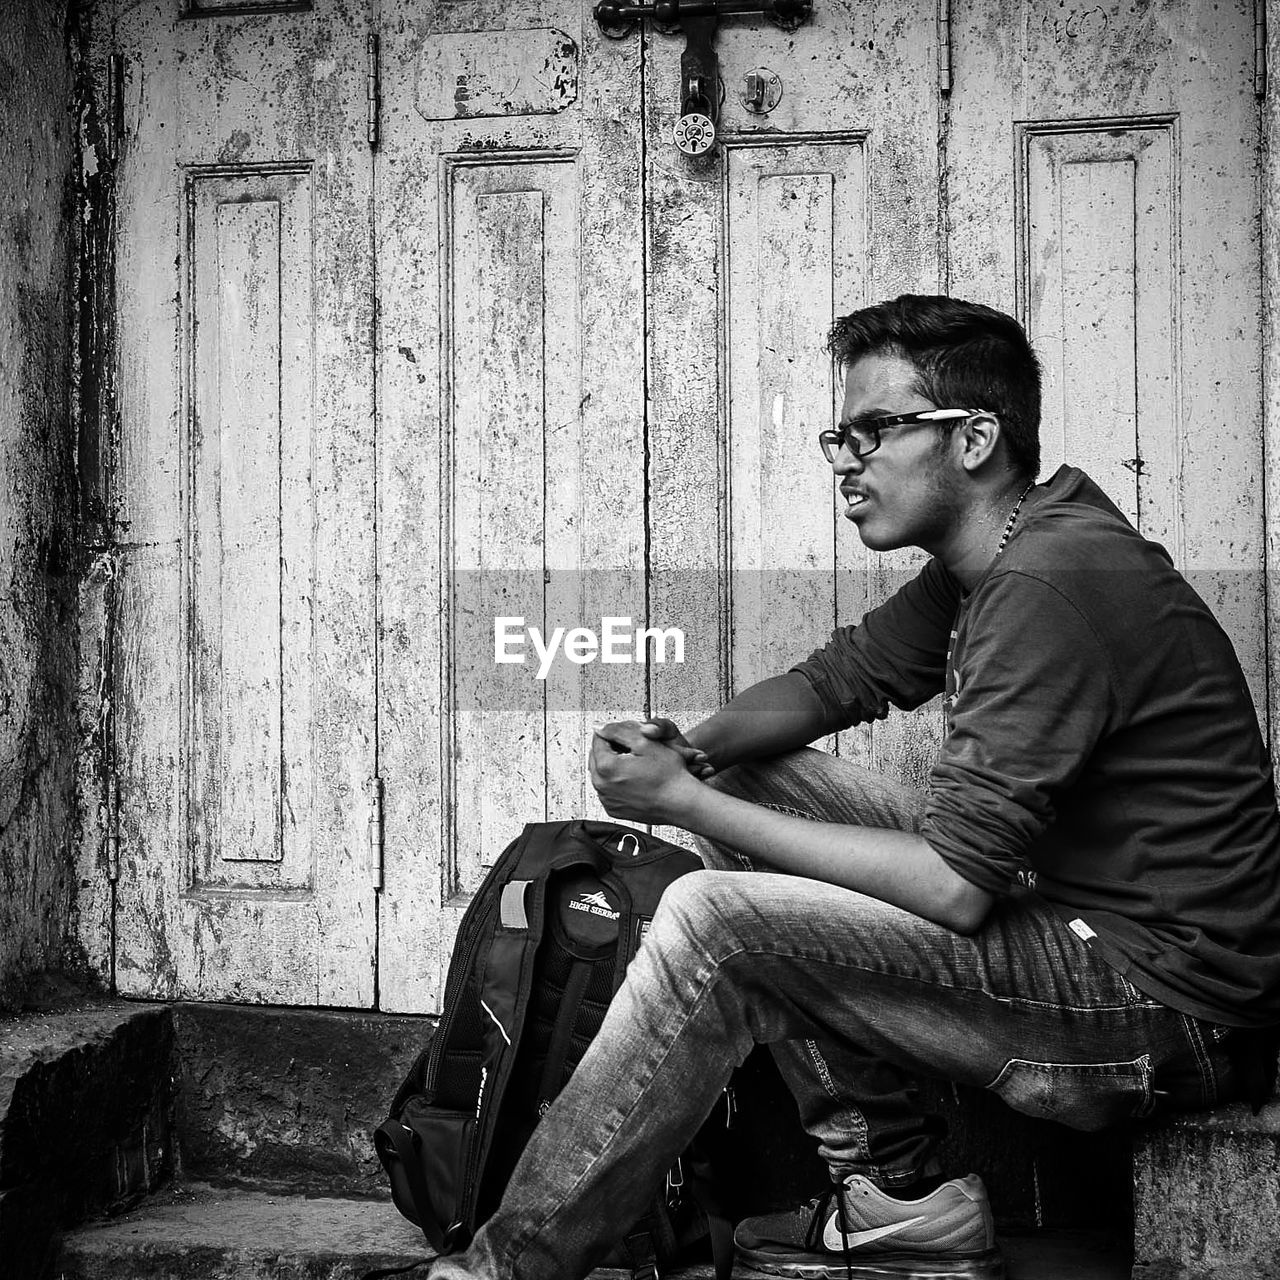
898,867
779,714
644,779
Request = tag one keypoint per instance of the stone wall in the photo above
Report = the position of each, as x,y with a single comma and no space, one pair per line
37,492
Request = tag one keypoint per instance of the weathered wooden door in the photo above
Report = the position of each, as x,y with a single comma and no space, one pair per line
630,374
1103,183
827,201
512,438
244,674
523,359
1091,169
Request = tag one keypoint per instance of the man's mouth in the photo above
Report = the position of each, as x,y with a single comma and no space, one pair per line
853,498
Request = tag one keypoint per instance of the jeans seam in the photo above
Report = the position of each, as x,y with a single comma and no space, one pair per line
1208,1080
1014,1001
1140,999
859,1119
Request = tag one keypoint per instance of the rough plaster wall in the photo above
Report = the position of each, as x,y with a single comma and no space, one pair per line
37,494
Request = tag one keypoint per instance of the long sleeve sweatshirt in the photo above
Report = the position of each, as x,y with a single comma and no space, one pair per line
1102,748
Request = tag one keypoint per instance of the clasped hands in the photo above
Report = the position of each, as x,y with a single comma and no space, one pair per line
646,770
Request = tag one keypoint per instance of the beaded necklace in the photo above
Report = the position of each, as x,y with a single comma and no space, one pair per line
1013,515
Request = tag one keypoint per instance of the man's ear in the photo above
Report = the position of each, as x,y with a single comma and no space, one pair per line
979,437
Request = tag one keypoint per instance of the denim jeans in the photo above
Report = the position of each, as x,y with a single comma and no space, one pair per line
857,999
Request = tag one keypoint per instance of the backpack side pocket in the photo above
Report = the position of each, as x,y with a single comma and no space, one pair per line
427,1153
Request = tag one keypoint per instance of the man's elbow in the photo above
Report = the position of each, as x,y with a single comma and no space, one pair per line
967,906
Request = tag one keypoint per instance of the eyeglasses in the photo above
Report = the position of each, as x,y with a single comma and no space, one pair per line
863,437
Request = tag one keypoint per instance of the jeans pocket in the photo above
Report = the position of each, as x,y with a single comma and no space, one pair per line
1084,1095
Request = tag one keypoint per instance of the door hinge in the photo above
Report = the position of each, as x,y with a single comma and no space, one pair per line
372,90
944,46
375,790
111,823
1260,48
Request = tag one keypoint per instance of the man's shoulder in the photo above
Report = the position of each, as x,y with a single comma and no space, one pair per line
1079,565
1070,527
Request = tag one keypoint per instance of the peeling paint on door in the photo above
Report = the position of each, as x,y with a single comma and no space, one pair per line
464,74
512,449
599,375
1122,228
244,647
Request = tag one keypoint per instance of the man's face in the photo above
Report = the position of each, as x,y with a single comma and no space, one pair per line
903,494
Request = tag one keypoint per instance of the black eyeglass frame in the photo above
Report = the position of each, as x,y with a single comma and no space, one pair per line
833,440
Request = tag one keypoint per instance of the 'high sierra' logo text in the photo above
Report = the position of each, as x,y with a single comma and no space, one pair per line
596,903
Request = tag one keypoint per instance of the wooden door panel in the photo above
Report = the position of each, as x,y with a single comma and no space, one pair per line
250,516
1098,220
1103,186
795,218
827,203
511,438
246,730
511,254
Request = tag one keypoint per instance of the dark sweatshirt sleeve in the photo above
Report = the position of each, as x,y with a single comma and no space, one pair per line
1035,694
896,656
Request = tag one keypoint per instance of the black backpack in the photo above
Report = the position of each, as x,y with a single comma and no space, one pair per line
540,952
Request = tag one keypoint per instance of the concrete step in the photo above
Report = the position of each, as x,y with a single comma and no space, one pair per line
196,1232
1207,1196
86,1102
285,1099
101,1102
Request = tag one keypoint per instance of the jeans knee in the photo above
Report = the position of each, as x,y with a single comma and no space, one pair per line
729,781
774,782
700,913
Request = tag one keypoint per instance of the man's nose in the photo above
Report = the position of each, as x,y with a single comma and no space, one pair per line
847,461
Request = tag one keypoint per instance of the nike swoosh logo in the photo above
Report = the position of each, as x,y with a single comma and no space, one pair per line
831,1233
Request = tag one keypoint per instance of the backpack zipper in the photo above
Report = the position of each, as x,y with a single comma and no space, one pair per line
441,1037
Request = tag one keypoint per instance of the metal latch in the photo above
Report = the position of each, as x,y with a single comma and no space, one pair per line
700,90
695,131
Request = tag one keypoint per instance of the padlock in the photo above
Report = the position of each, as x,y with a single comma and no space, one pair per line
694,133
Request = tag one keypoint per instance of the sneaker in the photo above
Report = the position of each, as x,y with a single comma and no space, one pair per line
946,1234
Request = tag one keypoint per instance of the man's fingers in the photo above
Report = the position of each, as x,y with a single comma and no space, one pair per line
622,735
660,727
602,761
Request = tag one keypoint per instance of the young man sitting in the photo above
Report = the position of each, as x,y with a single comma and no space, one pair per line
1082,913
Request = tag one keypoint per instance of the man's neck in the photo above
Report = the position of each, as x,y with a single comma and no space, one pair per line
980,535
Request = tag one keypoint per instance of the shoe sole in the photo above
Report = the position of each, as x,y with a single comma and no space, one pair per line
979,1266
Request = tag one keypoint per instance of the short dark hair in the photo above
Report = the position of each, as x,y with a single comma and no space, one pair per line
966,355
